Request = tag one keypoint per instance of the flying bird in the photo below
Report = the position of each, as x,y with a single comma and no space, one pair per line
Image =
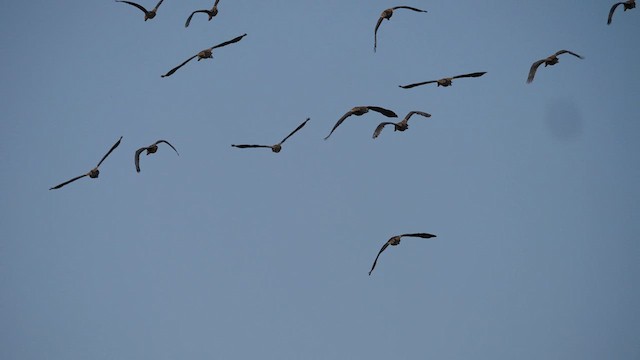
277,147
395,240
387,14
551,60
361,110
148,14
213,12
205,54
151,149
628,5
445,81
399,126
93,173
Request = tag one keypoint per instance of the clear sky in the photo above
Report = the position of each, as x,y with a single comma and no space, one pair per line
226,253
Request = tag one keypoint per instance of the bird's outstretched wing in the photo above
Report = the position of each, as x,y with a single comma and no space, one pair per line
417,84
569,52
375,34
109,152
409,7
294,131
190,16
234,40
411,113
178,67
420,235
137,157
166,142
379,128
532,71
134,4
376,260
475,74
67,182
250,146
613,8
158,5
340,121
383,111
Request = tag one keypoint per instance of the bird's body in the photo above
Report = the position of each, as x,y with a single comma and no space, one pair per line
361,110
395,240
399,126
204,54
211,13
148,14
548,61
277,147
448,81
628,5
387,14
151,149
93,173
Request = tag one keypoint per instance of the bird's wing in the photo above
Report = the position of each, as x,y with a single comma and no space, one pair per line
417,84
375,34
67,182
190,16
137,157
420,235
109,152
383,111
178,67
250,146
134,4
294,131
408,7
569,52
166,142
376,260
234,40
532,71
613,8
475,74
216,3
379,128
158,5
349,113
410,114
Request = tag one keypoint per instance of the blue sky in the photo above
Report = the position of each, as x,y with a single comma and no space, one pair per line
232,253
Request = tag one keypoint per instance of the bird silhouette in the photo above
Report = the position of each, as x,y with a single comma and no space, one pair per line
387,14
444,81
148,14
399,126
204,54
151,149
93,173
361,110
213,12
395,240
628,5
277,147
549,61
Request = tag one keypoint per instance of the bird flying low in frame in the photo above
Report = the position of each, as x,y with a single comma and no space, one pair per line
151,149
361,110
387,14
395,240
399,126
204,54
549,61
148,14
444,81
277,147
211,13
628,5
93,173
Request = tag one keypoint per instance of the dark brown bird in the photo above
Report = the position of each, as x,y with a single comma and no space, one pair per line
213,12
445,81
93,173
148,14
151,149
395,240
205,54
550,61
628,5
361,110
387,14
399,126
277,147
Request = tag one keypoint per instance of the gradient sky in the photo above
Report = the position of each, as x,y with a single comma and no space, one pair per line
225,253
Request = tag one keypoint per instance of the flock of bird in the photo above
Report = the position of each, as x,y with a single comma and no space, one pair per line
357,111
